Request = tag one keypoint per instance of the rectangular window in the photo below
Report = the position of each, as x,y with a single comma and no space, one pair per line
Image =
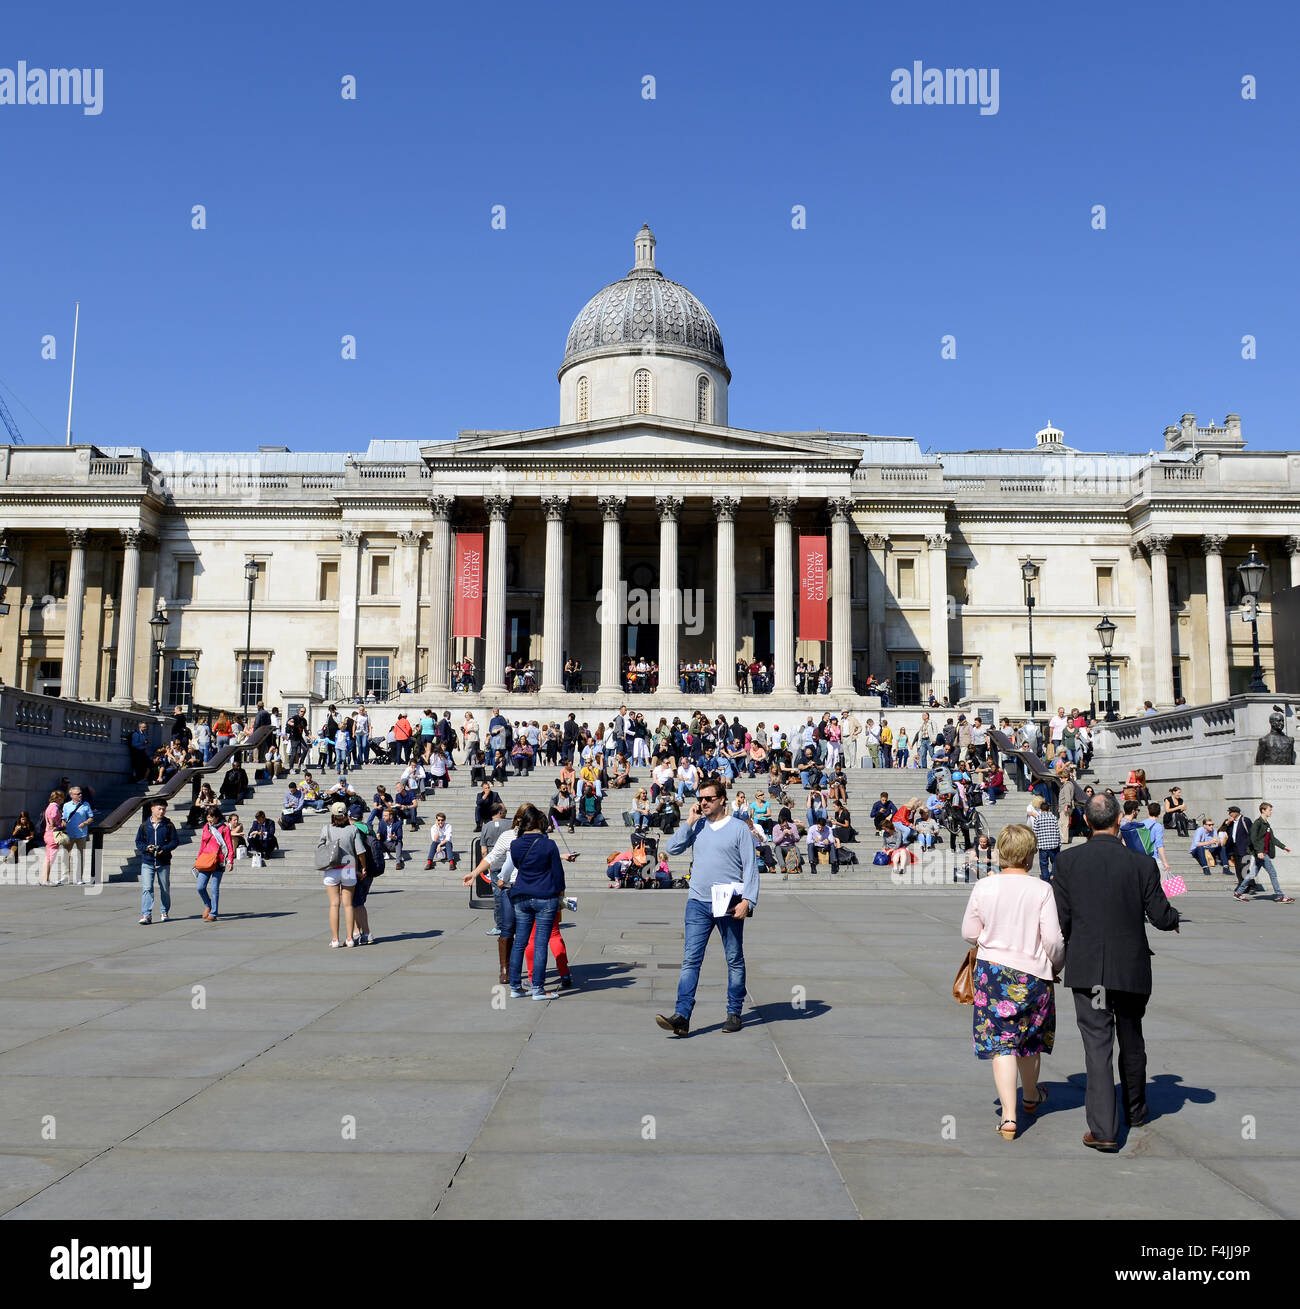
907,681
327,587
377,676
1107,690
49,677
1178,679
113,580
259,586
961,682
252,681
1105,588
184,580
322,678
1175,585
180,681
380,579
906,580
1034,688
110,681
958,583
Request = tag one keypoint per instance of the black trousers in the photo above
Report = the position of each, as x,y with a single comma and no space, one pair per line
1101,1018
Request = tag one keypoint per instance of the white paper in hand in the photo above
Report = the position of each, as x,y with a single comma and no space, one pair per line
722,894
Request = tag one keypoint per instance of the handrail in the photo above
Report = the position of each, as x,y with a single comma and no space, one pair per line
128,808
1032,763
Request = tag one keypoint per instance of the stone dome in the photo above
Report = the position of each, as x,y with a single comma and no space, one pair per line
645,313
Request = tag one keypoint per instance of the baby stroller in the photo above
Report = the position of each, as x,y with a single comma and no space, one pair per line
381,751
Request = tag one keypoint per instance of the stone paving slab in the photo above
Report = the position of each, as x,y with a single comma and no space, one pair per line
851,1089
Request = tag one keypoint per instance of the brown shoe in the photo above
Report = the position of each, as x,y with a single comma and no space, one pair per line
1106,1147
207,916
503,957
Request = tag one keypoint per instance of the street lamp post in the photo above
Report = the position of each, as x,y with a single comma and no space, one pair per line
1252,578
1029,571
1092,691
158,625
1106,631
250,576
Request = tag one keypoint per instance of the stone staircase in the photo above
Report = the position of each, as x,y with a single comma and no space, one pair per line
293,864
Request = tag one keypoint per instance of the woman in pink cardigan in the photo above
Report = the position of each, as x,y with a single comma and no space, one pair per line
1012,919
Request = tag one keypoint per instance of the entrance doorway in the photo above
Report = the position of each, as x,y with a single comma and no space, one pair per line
764,635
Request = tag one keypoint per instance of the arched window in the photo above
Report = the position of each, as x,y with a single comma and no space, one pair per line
641,392
584,400
703,409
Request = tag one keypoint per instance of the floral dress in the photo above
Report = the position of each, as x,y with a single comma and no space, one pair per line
1015,1013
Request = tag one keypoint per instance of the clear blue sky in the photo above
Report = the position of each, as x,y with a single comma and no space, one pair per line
372,217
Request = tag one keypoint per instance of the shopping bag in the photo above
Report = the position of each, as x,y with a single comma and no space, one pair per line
1174,885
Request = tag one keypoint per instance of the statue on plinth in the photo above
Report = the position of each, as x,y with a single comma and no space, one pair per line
1276,747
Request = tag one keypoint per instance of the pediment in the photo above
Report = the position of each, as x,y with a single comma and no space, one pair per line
640,437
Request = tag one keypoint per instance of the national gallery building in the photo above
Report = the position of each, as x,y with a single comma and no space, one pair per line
695,534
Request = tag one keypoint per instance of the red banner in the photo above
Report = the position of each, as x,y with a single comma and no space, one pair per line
468,617
812,588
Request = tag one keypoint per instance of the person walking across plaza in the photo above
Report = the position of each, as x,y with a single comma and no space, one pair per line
215,854
77,816
154,842
723,852
1047,835
1263,841
1105,893
1012,920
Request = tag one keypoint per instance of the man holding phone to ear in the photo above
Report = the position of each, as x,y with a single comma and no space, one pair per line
724,852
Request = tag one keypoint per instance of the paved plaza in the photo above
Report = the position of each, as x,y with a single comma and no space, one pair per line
395,1081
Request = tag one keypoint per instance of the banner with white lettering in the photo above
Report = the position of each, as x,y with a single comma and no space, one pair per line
812,588
468,617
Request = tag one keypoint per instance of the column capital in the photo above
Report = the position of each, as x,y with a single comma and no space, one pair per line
840,506
349,536
498,507
1135,550
441,507
556,506
77,537
783,507
410,538
669,507
724,508
1213,545
1292,544
938,540
1157,543
133,538
611,507
877,541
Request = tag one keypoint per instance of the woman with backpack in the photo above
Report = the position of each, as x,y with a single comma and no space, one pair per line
341,857
215,854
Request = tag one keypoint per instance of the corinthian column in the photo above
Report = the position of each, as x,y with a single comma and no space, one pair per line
494,658
938,543
669,508
70,680
783,508
1216,615
553,599
441,507
1158,546
1143,680
724,510
877,548
610,608
132,539
841,614
349,582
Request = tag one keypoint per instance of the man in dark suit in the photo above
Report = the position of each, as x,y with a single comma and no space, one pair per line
263,719
1237,849
1105,893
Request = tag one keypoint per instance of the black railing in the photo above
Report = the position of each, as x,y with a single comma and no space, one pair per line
356,690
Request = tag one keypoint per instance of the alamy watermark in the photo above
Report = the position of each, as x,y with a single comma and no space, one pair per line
53,86
919,85
636,606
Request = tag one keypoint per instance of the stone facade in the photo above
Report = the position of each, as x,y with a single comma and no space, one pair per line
355,552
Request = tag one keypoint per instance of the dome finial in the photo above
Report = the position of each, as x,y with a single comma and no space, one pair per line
645,248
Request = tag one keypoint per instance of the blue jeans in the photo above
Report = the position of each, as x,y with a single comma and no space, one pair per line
361,748
923,752
499,900
1262,861
1047,863
210,882
530,910
1206,855
148,872
700,923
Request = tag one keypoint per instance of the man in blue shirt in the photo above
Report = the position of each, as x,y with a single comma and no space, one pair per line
140,758
724,852
76,823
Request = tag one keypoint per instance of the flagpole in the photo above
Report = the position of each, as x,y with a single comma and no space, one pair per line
73,378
